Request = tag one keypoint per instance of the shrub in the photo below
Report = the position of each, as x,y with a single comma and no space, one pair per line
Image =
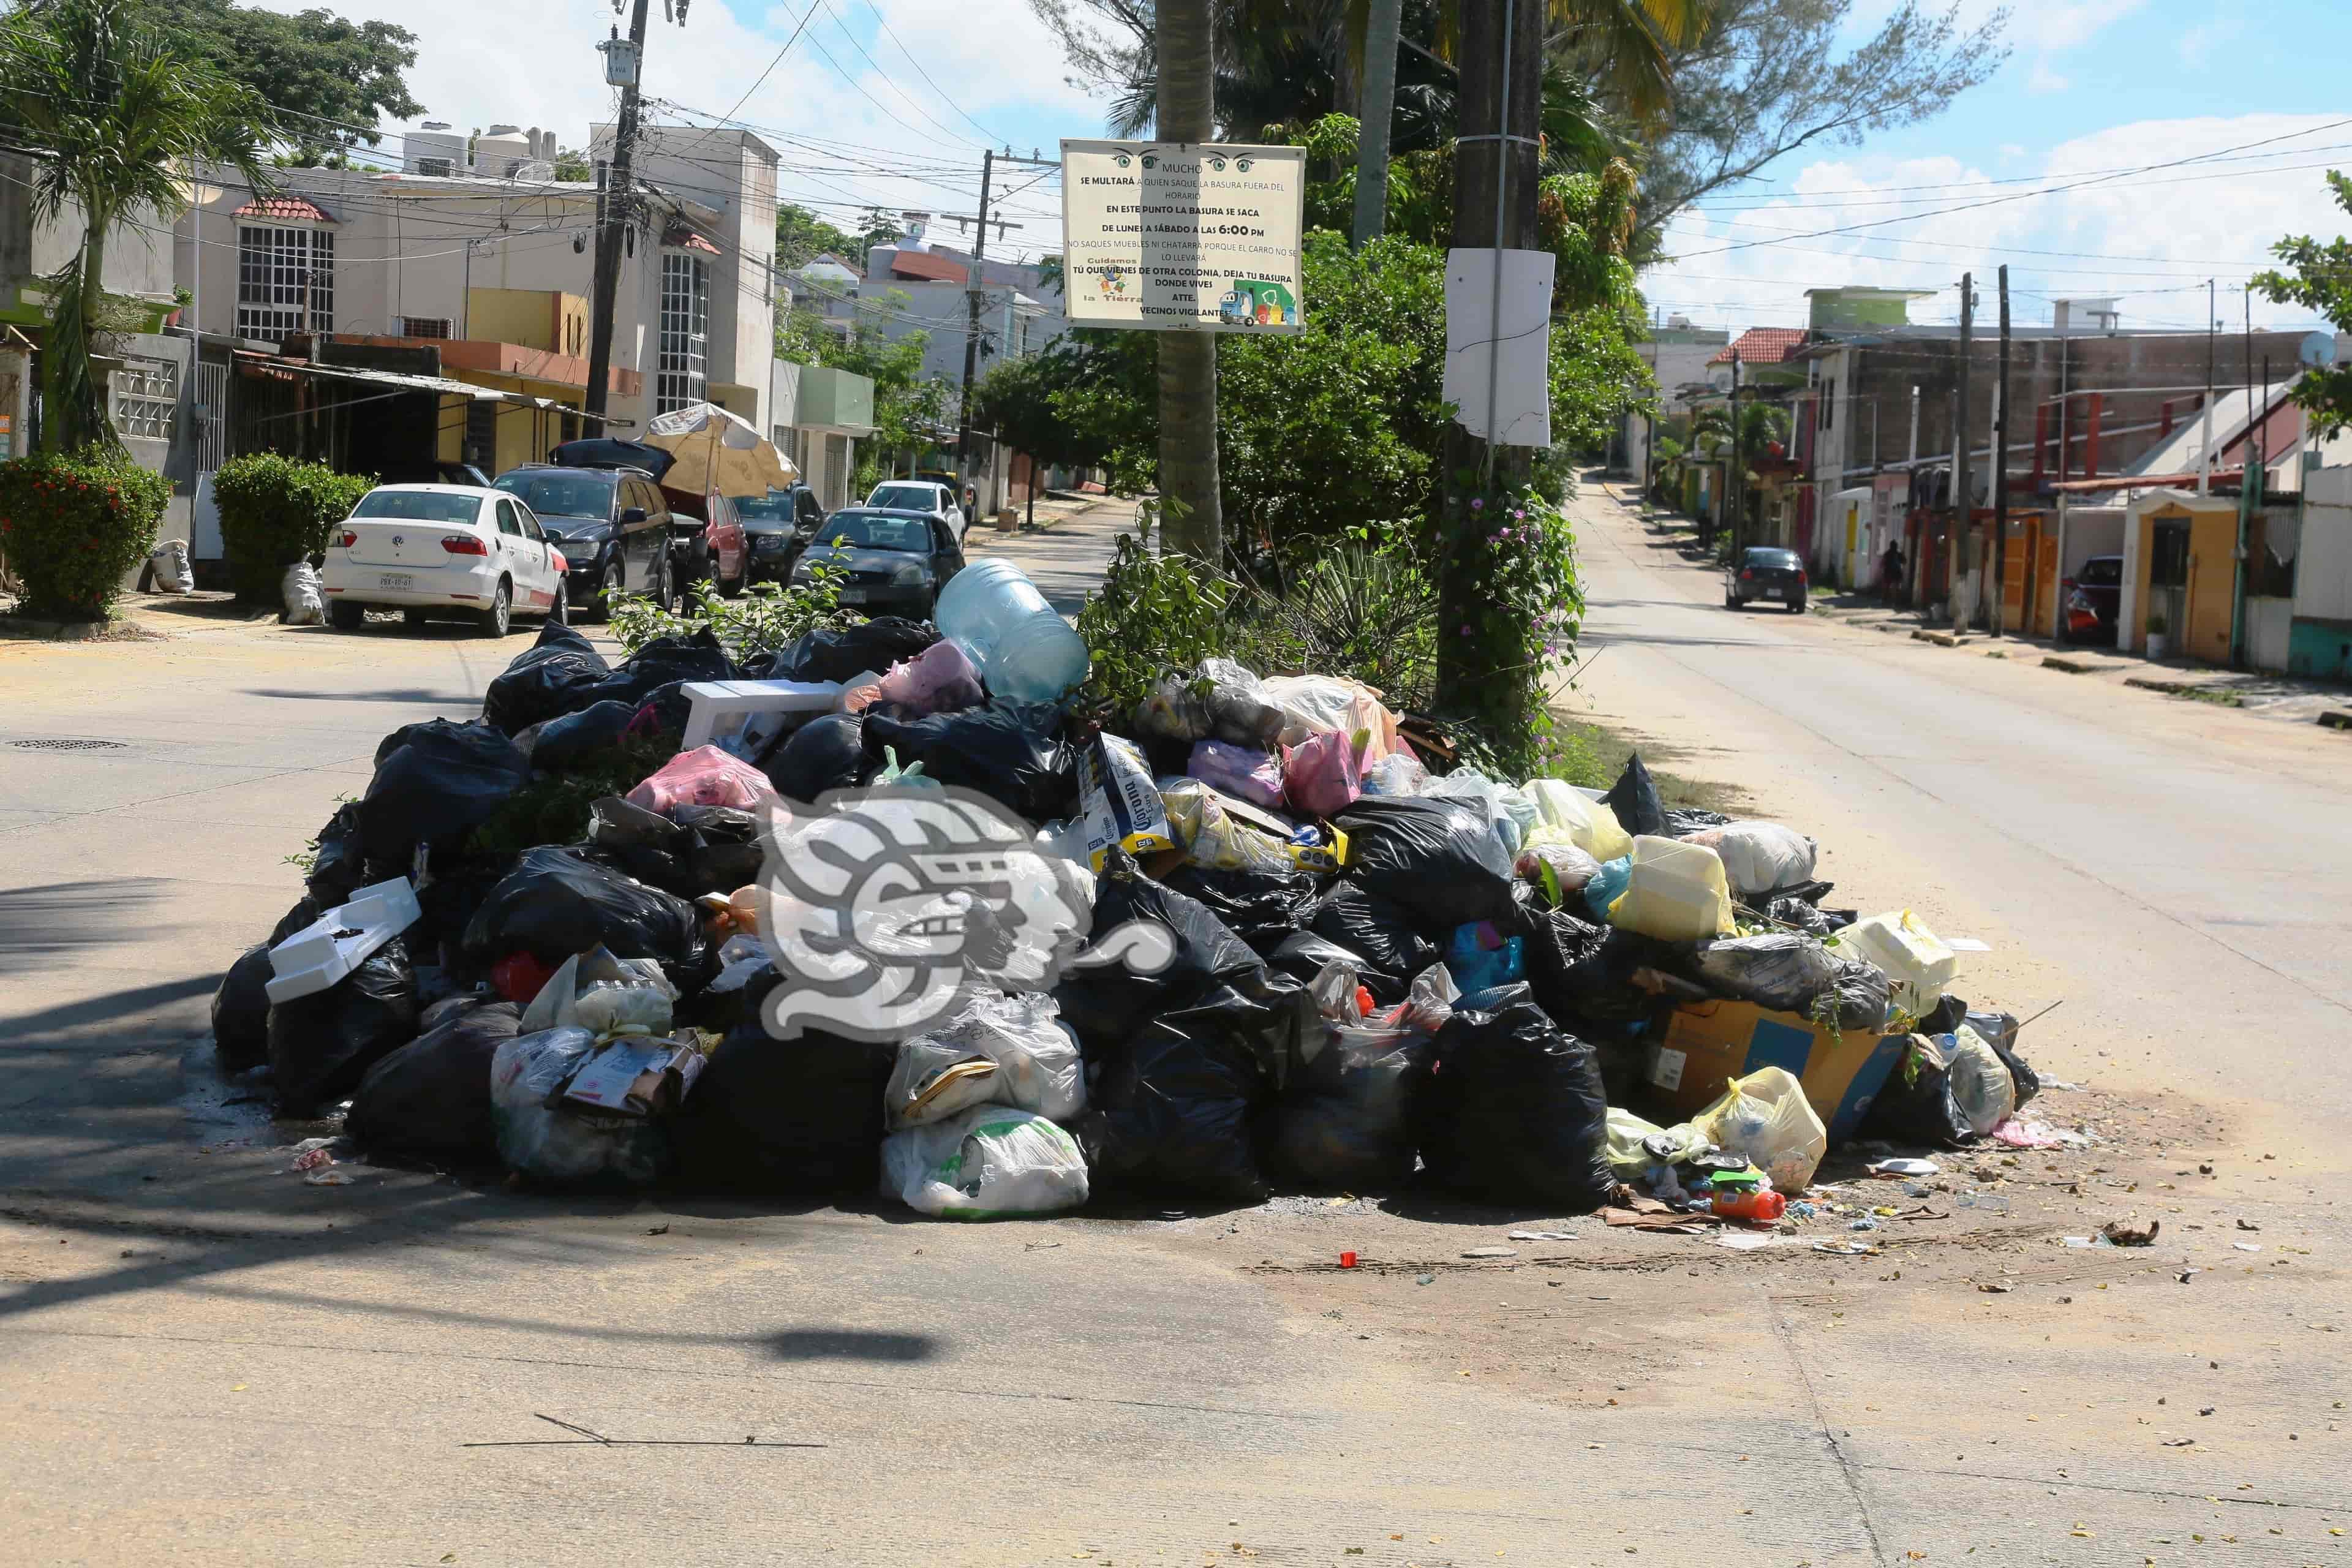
1153,615
767,618
1363,609
73,527
1515,560
276,510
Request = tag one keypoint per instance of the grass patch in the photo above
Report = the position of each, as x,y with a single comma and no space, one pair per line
2213,695
1595,754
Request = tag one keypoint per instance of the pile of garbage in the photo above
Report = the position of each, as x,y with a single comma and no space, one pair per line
1324,958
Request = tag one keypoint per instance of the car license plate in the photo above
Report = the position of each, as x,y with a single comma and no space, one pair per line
396,581
852,595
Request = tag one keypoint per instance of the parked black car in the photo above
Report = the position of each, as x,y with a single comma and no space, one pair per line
1768,574
776,528
611,524
2095,598
896,562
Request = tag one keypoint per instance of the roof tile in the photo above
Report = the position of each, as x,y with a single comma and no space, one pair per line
1763,345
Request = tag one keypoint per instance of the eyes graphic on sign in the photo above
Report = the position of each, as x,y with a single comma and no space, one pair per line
1243,166
1151,161
1218,164
1122,160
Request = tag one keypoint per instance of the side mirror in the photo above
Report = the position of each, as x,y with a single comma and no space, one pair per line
634,514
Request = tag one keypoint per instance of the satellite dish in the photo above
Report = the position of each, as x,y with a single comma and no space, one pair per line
2317,349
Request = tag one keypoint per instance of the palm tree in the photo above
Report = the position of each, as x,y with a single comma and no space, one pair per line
1195,522
115,117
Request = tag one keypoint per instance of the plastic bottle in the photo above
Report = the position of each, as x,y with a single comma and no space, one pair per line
1022,647
1748,1202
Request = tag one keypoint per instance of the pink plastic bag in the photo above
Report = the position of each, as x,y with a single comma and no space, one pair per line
940,679
1245,774
703,777
1321,774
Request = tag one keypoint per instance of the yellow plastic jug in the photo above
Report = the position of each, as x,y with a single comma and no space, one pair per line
1913,957
1677,892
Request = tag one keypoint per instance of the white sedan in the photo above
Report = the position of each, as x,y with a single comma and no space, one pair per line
422,549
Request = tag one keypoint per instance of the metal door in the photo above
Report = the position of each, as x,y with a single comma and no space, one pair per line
2168,579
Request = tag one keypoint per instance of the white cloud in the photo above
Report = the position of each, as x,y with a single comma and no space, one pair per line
533,63
2044,80
2152,238
2065,24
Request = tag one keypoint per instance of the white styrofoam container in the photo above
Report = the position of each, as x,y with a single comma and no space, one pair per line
719,707
315,958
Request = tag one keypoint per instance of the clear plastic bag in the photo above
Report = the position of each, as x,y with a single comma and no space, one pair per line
1556,865
648,1008
988,1162
1320,774
997,1051
1765,1119
564,1148
1982,1087
1400,773
1470,784
1590,825
1211,838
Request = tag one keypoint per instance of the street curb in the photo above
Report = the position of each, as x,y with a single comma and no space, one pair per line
2169,687
1941,639
2071,665
2333,720
18,629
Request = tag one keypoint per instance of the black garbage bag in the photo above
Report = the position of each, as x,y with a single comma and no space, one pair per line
1634,798
453,889
1265,909
1176,1110
784,1116
1011,751
641,842
1915,1107
1682,821
1303,956
339,866
1389,950
241,1004
832,653
1861,996
1947,1016
1438,859
727,851
1781,970
547,679
580,739
662,716
1802,913
660,663
734,995
431,1099
1345,1122
1107,1004
825,753
559,901
434,783
321,1045
1514,1112
1582,973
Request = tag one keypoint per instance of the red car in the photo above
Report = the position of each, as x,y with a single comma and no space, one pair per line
715,549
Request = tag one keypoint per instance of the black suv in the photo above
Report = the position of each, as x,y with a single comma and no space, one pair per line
611,524
776,529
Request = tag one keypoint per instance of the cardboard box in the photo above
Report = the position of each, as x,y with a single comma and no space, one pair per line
1708,1042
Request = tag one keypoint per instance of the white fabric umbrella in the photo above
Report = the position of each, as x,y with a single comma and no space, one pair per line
717,450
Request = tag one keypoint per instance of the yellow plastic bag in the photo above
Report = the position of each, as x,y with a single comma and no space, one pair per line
1766,1120
1589,824
1675,892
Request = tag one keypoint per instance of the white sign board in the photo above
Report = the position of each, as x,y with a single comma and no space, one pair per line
1171,237
1499,352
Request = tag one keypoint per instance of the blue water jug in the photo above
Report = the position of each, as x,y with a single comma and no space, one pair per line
1023,648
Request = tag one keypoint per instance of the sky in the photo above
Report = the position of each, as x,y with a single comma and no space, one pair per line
893,101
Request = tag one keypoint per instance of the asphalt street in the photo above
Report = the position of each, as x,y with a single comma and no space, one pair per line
204,1359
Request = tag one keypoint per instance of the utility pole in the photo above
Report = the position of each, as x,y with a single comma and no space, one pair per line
1734,472
1184,116
1962,518
1650,420
974,289
1381,26
613,215
2000,471
2205,414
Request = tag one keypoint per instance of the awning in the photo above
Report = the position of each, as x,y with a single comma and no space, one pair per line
400,381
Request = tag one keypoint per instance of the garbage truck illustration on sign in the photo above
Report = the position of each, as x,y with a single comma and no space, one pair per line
1261,301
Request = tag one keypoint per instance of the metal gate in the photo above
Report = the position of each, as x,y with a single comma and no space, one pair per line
209,420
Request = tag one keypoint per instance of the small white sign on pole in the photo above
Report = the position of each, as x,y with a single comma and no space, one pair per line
1195,236
1515,382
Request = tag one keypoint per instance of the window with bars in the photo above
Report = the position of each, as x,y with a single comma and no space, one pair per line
681,370
424,326
284,282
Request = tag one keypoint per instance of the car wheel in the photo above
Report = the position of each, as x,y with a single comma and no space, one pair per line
346,616
493,621
1797,607
600,606
560,612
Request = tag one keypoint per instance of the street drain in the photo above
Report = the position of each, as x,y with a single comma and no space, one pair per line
67,745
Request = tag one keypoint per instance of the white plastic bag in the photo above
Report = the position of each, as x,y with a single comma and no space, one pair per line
997,1051
987,1163
1983,1089
1470,784
565,1148
1760,857
306,602
581,993
1590,825
173,575
1396,773
1765,1119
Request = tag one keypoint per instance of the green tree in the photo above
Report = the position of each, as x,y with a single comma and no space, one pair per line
1015,401
331,79
2320,280
908,407
114,111
573,164
802,237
